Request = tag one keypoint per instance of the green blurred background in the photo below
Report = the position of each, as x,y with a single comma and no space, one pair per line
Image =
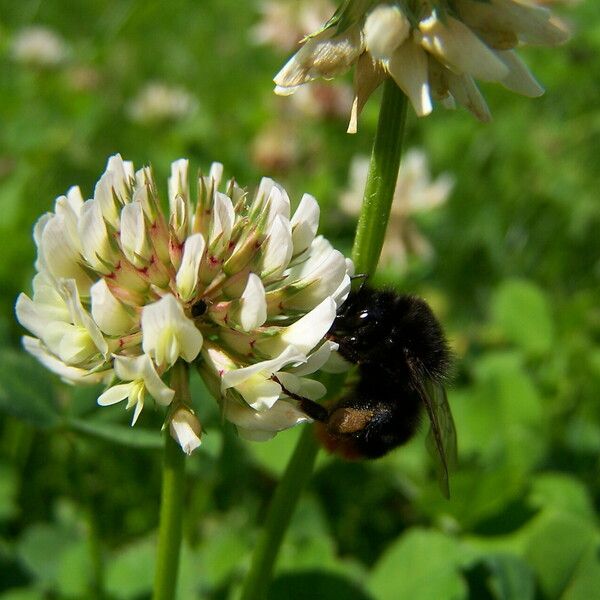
514,277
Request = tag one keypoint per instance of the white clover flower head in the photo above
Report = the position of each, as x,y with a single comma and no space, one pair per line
283,23
231,283
416,192
159,102
433,49
39,46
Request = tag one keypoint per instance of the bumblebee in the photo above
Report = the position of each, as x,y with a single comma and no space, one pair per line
403,361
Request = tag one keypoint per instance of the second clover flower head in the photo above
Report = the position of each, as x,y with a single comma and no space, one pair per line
231,283
433,49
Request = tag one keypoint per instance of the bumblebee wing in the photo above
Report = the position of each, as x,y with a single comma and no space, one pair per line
441,440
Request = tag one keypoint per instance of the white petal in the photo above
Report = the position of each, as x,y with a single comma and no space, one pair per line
185,429
322,56
532,24
282,415
134,241
178,181
466,92
80,316
114,394
168,333
253,305
278,203
109,313
94,238
141,368
31,315
316,359
454,44
307,388
305,333
67,373
58,254
386,27
259,392
290,355
223,217
408,66
276,250
305,223
187,275
519,79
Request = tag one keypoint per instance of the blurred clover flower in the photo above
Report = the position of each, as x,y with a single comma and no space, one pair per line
431,48
39,46
158,102
284,23
230,284
415,192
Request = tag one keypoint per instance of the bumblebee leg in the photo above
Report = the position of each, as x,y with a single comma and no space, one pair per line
313,409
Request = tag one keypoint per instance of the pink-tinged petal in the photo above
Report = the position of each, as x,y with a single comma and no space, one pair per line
408,67
305,223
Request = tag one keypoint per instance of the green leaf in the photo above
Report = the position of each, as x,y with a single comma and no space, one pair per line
520,309
41,549
130,571
74,571
511,577
421,565
563,493
558,549
26,390
134,437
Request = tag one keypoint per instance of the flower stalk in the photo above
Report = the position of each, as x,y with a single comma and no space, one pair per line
381,181
370,233
171,504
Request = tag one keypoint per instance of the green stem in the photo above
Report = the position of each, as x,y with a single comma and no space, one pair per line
379,192
381,181
171,504
280,512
